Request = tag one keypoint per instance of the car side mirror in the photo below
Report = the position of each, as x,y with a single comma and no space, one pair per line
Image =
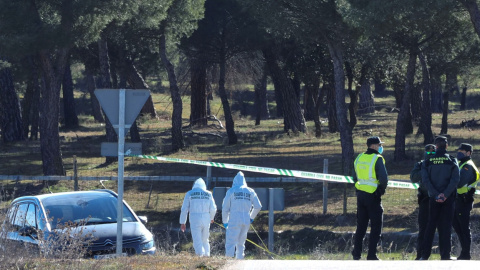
28,231
143,219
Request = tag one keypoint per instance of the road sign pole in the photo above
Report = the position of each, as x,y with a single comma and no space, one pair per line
270,219
122,108
121,154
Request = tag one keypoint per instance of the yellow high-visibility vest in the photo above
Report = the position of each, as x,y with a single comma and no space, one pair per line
467,187
365,170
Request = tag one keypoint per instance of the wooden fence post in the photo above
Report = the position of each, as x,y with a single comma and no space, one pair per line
75,174
209,174
325,187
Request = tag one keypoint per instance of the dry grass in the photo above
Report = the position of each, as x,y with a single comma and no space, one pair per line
182,261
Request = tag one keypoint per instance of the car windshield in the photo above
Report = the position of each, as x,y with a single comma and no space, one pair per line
85,208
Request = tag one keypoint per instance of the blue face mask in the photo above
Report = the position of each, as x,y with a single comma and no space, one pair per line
460,155
380,149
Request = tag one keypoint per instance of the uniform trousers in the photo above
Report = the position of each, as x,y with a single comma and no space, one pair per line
369,208
423,204
440,217
461,223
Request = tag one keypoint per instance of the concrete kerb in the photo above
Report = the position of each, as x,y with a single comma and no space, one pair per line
342,265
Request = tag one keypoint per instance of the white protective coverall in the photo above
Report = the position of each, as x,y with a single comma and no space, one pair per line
201,206
237,212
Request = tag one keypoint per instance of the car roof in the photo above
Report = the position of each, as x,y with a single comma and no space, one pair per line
50,195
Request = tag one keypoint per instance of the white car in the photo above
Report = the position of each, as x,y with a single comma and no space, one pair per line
90,215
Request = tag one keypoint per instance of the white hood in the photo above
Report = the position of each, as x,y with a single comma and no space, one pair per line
239,180
199,183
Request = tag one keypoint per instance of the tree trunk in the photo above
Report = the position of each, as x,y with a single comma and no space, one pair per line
95,105
472,8
105,82
309,100
463,99
11,118
229,124
209,90
380,86
177,135
278,98
404,119
261,100
69,111
27,104
344,127
35,110
312,104
198,84
416,101
329,90
296,84
353,106
426,112
398,91
450,84
137,82
49,111
367,101
292,111
30,111
444,129
437,91
122,73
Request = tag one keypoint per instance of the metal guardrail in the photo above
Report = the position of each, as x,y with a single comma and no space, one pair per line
161,178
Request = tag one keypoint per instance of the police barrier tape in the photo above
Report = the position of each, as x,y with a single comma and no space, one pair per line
274,171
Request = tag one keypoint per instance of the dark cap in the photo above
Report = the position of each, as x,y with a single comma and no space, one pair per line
373,140
430,148
439,139
465,146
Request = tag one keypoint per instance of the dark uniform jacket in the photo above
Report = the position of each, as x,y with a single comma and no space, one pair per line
416,177
380,171
440,174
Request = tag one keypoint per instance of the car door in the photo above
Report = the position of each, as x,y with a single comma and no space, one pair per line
24,225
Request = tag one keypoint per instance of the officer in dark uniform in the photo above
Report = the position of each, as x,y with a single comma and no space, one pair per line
440,174
469,176
416,177
371,180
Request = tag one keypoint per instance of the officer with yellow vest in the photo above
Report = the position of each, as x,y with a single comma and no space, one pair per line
469,177
371,180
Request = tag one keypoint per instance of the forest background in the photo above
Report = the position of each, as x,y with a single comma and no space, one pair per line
245,82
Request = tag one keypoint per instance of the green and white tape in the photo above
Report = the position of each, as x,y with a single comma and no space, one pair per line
274,171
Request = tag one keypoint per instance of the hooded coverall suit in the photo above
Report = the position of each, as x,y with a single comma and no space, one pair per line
201,206
237,212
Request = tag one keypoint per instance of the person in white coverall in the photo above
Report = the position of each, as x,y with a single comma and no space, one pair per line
240,206
201,206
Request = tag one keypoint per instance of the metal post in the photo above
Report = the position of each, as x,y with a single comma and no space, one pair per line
270,219
75,174
325,187
209,174
121,153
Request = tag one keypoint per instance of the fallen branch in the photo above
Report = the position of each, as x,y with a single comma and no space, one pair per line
214,118
470,123
205,134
